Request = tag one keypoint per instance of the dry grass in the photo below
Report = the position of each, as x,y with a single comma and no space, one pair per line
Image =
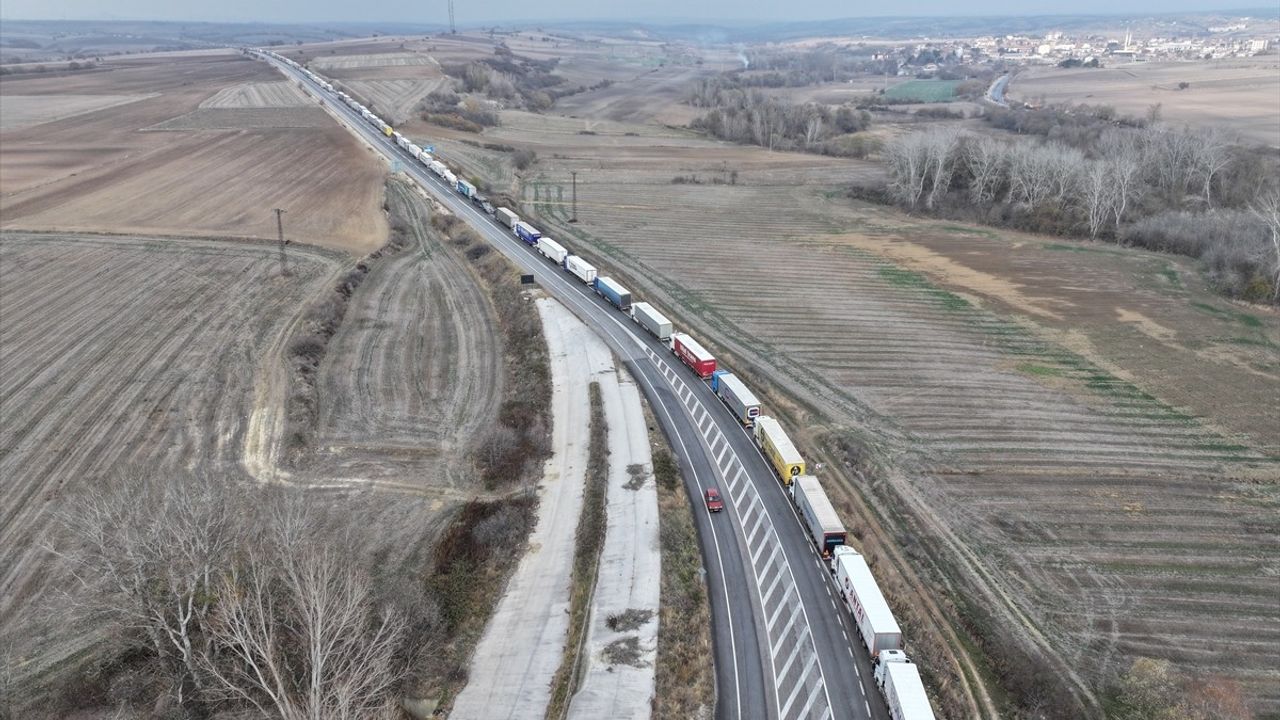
588,541
684,676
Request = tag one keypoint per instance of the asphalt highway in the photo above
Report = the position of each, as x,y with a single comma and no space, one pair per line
785,647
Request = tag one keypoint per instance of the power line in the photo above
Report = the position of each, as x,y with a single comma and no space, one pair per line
284,261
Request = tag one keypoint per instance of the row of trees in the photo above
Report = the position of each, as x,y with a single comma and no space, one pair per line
1110,189
751,117
241,599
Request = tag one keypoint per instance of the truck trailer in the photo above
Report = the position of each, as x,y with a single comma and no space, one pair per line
735,394
876,625
579,268
610,290
466,189
778,449
552,250
652,320
899,680
506,217
527,233
693,355
819,517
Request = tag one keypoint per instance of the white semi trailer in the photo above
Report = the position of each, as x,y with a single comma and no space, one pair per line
819,516
876,624
652,320
581,269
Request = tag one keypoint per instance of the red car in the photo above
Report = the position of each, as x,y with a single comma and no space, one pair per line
714,503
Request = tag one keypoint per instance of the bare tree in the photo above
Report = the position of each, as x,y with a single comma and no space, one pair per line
985,160
301,639
1211,153
147,553
1267,209
907,157
1031,170
1097,194
1170,156
940,158
1123,151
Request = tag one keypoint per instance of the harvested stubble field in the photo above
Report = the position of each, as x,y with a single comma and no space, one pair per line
122,355
414,376
1078,443
219,171
279,94
1239,94
167,355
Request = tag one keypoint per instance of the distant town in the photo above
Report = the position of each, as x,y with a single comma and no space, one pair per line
1235,40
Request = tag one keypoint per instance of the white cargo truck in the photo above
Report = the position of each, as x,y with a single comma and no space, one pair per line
552,250
899,680
651,320
861,595
507,218
579,268
737,396
820,519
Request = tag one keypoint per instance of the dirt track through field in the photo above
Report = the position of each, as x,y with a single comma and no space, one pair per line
415,374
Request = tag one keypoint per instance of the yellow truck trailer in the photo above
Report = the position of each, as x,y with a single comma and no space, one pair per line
778,449
386,130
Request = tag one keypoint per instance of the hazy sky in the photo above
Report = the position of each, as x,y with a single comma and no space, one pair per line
434,11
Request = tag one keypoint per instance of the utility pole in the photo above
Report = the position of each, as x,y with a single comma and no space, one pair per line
284,261
574,173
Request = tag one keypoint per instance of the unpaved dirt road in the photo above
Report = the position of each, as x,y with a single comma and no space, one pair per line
522,645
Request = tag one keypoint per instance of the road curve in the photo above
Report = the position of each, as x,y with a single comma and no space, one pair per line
784,647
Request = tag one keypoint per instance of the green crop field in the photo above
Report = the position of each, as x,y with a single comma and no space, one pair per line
923,91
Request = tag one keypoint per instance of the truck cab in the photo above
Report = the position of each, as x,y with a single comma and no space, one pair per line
883,660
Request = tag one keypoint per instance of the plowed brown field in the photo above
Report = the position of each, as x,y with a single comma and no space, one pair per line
218,172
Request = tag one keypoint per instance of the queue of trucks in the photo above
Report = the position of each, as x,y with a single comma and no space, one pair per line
895,674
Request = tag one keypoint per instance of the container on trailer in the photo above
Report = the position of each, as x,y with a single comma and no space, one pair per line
778,449
526,232
449,177
425,158
652,320
466,189
579,268
691,353
611,290
438,168
737,396
506,217
876,626
819,517
552,250
414,150
899,680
